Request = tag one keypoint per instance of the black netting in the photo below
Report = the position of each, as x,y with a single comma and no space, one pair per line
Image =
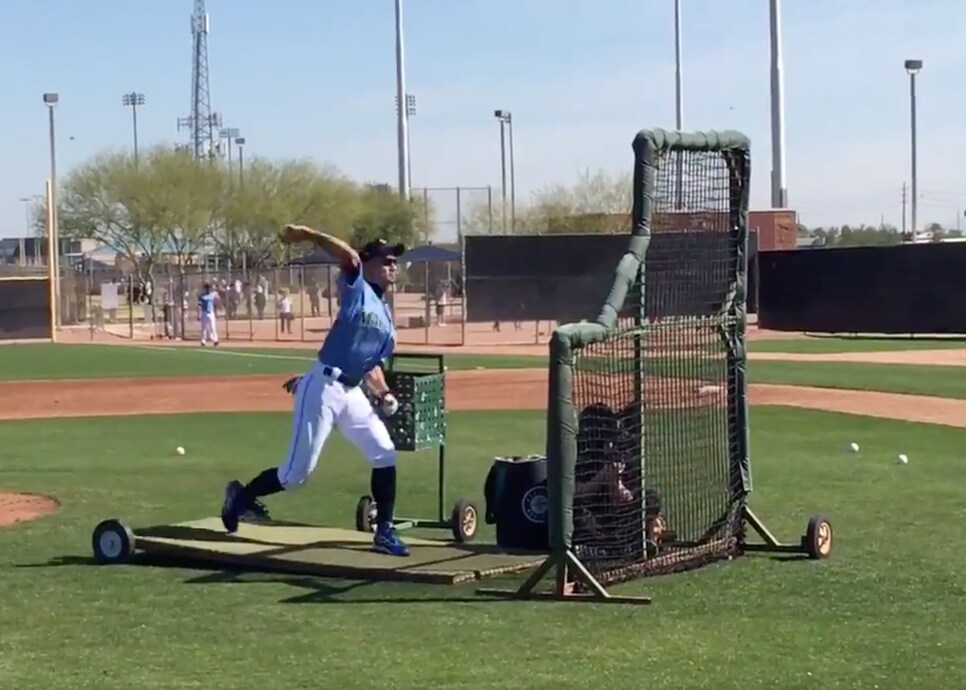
659,431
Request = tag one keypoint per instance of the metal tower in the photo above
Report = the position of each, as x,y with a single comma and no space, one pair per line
202,122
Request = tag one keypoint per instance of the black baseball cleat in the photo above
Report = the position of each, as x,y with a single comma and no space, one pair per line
255,511
232,506
236,508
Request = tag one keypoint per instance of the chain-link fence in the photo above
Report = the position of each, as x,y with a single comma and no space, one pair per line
295,303
286,304
458,211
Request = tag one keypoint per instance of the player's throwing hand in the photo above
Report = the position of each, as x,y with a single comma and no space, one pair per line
291,384
291,234
389,405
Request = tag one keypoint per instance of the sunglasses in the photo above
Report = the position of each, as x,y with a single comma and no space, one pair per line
389,261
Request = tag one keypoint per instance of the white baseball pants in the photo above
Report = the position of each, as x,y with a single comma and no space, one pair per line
209,328
322,403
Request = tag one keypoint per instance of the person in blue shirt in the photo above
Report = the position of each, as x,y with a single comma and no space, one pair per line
331,394
207,315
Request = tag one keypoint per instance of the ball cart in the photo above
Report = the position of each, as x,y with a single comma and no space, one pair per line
418,381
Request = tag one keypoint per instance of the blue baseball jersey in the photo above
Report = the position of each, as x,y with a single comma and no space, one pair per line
363,333
206,302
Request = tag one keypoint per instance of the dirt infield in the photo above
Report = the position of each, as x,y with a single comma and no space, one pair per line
16,507
491,389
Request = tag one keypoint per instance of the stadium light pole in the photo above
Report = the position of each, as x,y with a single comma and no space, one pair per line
913,67
411,110
779,190
51,99
240,143
678,89
229,133
506,121
26,224
402,114
133,100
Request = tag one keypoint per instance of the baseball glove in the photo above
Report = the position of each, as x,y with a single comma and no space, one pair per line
291,385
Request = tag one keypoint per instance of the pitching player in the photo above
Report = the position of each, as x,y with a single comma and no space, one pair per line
207,301
331,394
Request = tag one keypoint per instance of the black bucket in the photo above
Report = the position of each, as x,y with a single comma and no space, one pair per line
517,502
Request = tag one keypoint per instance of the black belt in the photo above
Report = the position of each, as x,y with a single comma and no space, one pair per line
346,381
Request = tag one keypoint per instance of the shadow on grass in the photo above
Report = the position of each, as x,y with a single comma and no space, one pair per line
316,590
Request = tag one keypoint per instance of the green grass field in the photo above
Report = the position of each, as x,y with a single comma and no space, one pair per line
884,612
829,344
940,381
55,361
45,361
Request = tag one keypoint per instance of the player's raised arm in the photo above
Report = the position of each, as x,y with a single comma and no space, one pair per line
337,248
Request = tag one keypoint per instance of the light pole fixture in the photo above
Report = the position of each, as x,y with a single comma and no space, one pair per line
506,131
133,100
51,99
913,67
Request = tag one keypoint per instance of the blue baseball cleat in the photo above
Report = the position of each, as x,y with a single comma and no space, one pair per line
388,542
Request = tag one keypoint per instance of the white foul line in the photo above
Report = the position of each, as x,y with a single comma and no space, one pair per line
216,351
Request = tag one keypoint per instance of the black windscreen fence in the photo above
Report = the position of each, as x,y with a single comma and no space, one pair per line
24,309
908,289
565,278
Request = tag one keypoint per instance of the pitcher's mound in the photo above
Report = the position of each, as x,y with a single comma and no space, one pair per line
16,508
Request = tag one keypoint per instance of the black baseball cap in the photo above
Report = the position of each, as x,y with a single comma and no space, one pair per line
380,249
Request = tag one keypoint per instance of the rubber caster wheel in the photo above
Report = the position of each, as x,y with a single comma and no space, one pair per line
366,514
466,519
113,542
818,538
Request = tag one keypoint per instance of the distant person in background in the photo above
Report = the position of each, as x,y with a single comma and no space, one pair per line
314,299
207,315
284,308
260,300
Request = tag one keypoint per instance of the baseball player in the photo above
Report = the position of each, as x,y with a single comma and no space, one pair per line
207,301
334,392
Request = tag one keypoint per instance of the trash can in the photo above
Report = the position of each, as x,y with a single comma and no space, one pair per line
516,502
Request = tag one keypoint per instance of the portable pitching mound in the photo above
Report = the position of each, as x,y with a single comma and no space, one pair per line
302,549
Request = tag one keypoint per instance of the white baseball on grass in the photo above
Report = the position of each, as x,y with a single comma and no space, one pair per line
855,447
902,459
179,450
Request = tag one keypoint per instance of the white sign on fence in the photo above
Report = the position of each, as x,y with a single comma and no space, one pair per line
108,296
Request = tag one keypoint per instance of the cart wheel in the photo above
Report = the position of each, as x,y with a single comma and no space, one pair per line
113,542
818,538
366,514
465,521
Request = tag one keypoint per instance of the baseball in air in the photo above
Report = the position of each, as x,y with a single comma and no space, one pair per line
855,447
902,459
179,450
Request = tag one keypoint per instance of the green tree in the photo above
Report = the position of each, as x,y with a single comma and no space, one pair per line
186,199
596,202
114,202
383,214
274,194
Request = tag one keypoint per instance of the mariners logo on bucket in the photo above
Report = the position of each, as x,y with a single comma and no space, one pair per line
535,504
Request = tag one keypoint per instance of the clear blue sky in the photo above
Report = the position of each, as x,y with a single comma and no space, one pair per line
317,78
